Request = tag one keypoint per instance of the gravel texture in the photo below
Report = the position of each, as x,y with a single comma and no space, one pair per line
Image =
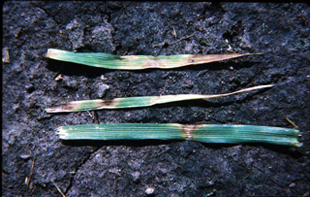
281,32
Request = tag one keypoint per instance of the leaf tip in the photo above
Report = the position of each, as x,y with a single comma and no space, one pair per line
61,132
298,144
49,52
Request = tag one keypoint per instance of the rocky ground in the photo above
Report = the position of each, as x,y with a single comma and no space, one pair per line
36,163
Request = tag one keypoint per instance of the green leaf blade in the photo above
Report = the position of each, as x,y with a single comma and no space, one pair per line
246,133
206,133
128,131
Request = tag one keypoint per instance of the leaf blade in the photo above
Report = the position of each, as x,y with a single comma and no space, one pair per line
205,133
134,102
137,62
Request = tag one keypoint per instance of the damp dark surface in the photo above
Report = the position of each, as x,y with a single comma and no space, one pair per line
280,32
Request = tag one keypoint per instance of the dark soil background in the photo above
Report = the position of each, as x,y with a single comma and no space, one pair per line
281,32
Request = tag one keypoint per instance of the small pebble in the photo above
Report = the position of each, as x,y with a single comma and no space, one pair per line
5,55
25,156
71,83
149,190
292,185
210,182
102,90
135,176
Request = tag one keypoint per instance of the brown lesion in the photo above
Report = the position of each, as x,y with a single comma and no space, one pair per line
202,59
107,102
188,131
195,59
152,63
65,106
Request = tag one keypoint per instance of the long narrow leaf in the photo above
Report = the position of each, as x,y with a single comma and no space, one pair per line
137,62
133,102
206,133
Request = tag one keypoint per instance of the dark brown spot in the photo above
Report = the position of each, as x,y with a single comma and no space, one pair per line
107,102
68,106
65,106
194,58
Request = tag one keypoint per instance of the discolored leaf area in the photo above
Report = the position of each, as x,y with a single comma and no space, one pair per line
133,102
136,62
